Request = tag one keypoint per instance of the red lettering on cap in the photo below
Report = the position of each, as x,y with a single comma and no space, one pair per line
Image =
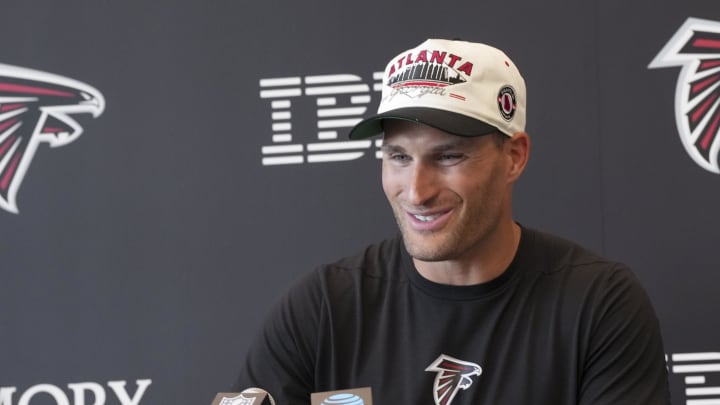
466,68
438,57
453,59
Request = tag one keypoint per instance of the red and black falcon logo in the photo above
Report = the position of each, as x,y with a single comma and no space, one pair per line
36,107
452,375
696,48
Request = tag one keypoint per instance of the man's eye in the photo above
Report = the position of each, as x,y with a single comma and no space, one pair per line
399,157
446,157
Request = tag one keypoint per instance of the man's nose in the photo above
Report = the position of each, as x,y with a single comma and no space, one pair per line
423,184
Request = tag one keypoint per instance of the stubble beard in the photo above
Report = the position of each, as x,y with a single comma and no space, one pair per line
447,244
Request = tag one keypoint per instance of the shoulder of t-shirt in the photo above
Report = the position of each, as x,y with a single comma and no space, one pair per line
560,254
383,259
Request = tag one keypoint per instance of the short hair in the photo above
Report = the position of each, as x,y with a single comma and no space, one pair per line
499,138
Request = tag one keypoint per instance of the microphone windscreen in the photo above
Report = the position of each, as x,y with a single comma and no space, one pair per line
250,396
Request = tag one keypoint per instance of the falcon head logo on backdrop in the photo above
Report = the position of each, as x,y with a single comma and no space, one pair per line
696,48
452,375
35,107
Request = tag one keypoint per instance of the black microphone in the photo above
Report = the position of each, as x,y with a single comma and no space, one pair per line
357,396
250,396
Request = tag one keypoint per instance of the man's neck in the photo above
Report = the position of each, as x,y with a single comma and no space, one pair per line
478,266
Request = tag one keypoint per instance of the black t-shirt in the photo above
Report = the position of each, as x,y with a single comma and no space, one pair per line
560,326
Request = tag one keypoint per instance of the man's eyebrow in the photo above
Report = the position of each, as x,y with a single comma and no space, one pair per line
388,148
459,144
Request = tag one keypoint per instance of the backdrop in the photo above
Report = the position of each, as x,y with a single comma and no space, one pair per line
168,168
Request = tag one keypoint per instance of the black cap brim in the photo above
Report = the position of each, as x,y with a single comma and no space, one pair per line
450,122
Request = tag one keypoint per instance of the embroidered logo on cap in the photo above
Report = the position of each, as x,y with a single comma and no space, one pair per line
428,72
507,103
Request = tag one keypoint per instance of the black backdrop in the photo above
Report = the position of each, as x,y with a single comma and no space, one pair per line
148,250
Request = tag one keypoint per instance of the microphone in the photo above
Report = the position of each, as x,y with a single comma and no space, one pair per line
250,396
356,396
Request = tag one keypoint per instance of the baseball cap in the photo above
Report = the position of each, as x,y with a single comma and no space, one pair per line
463,88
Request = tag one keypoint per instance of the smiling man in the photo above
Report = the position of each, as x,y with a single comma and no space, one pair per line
466,306
451,197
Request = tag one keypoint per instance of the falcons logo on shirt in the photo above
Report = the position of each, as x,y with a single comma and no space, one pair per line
696,47
35,107
452,375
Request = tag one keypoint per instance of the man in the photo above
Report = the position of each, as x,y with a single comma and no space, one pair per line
467,306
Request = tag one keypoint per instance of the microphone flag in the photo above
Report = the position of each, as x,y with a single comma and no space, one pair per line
250,396
356,396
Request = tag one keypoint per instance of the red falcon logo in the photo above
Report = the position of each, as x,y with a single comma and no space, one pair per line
696,48
35,107
452,375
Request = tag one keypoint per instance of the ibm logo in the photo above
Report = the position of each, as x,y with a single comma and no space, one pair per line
340,100
695,367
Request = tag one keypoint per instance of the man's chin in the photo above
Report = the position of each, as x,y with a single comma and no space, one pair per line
428,257
426,250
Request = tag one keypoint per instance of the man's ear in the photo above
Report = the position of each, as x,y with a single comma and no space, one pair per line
519,152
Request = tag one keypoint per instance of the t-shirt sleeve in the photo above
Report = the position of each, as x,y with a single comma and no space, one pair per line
281,358
624,356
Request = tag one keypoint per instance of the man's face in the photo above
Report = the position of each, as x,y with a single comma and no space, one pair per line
448,193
